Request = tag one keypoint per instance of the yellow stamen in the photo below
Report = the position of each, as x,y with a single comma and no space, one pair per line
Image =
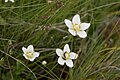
76,27
29,55
66,55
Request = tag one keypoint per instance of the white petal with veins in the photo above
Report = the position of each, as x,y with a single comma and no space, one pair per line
69,63
25,56
59,52
76,19
61,61
24,49
82,34
73,55
30,48
32,59
68,23
72,32
66,48
36,54
84,26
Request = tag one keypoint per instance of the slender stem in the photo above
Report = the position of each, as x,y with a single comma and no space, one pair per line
20,63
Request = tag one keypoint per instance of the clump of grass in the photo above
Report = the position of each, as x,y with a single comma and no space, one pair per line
42,24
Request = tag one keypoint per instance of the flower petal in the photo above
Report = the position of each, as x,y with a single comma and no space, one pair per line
59,52
36,54
6,0
12,0
72,32
84,26
73,55
32,59
76,19
66,48
61,61
82,34
24,49
68,23
69,63
25,56
30,48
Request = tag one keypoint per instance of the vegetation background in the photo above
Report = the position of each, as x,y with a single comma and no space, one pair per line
41,23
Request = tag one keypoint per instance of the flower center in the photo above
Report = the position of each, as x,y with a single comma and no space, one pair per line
66,55
29,55
76,27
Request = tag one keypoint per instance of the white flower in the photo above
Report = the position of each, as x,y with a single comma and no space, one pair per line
66,56
29,53
76,27
9,0
44,62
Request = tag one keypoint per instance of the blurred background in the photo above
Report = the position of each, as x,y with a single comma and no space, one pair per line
41,24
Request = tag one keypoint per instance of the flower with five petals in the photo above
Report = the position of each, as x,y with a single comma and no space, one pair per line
66,56
29,53
76,27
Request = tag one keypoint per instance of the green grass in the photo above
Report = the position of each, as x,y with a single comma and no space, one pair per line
42,24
